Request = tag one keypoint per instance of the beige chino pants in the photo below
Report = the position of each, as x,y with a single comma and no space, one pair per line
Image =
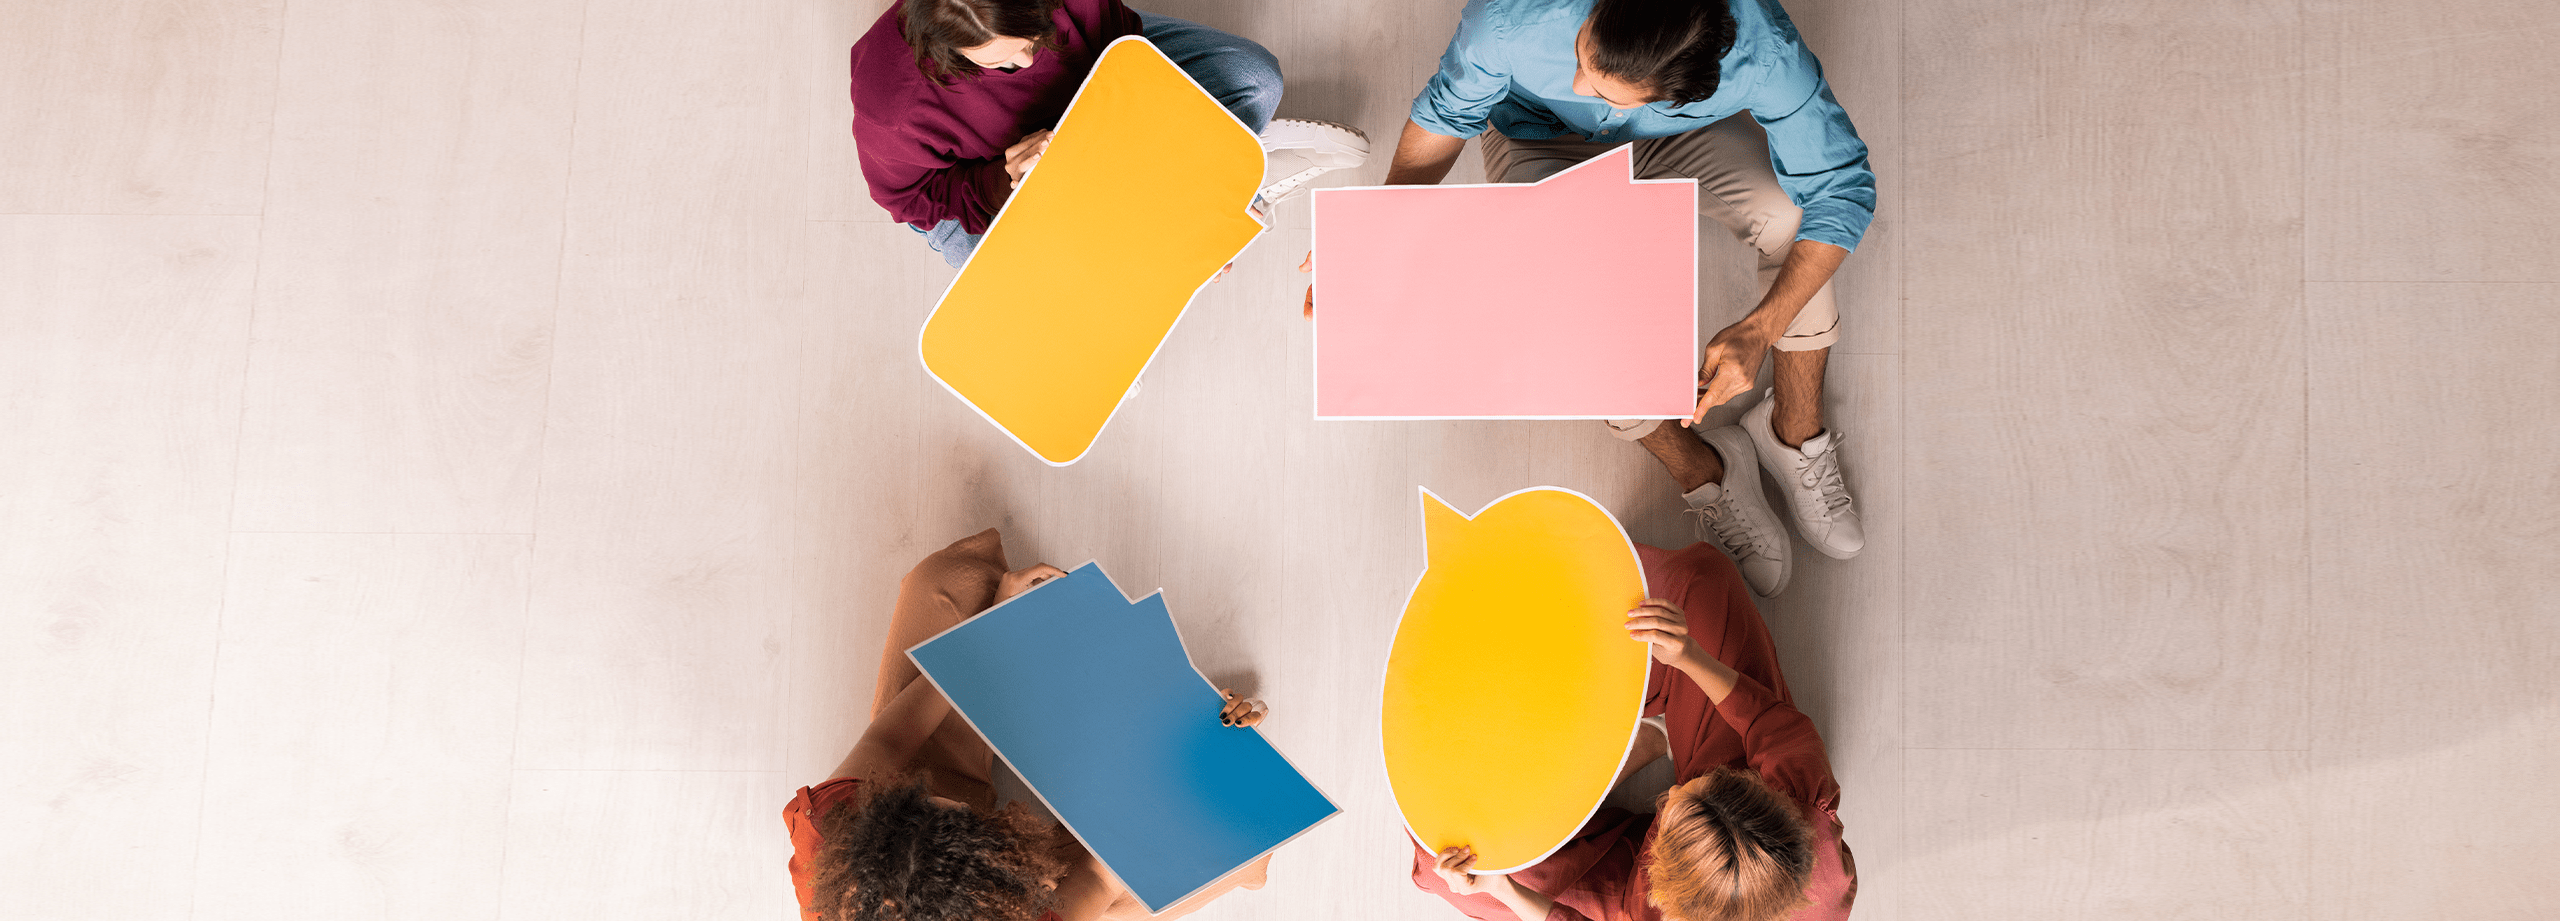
1736,188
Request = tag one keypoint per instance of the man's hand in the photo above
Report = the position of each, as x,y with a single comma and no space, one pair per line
1731,364
1022,580
1025,154
1453,867
1732,361
1309,266
1241,711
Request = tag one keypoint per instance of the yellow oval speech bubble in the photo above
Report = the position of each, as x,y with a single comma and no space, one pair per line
1512,689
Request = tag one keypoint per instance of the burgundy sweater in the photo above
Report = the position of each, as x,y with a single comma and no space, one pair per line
934,152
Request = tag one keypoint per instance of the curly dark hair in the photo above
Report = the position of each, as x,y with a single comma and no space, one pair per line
895,855
1674,47
937,30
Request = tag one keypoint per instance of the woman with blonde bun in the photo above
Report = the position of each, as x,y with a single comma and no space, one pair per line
1751,831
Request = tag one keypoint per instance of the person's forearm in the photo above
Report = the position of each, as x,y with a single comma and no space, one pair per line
1713,677
919,705
1809,266
898,732
1529,905
1423,158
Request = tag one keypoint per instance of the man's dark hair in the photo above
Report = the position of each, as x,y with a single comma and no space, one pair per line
898,856
936,30
1675,48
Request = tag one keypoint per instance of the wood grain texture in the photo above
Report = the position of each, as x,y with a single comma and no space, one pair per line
136,106
2434,145
2263,575
2105,380
119,399
1839,629
657,622
363,726
890,467
715,846
2108,834
412,255
2435,565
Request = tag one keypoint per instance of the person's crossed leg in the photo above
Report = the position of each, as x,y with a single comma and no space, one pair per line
1717,469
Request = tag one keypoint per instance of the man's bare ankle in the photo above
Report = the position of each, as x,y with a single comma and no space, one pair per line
1712,470
1691,463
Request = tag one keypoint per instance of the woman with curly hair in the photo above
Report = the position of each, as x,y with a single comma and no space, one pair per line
908,828
953,101
1751,832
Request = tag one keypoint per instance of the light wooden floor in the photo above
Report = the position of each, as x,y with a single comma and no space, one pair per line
455,459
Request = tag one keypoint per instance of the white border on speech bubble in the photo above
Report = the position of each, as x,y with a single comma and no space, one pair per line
1633,726
1315,223
1204,679
1028,178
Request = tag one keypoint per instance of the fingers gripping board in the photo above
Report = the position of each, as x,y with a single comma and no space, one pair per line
1138,202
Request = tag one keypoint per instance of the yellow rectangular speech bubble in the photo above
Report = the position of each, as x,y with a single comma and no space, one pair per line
1141,197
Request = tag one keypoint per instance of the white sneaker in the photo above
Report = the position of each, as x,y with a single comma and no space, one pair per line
1295,151
1810,478
1738,519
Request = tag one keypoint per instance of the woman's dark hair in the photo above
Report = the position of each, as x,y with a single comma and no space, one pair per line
1729,849
1674,47
937,30
896,855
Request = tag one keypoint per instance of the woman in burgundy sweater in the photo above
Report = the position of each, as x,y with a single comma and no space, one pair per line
953,101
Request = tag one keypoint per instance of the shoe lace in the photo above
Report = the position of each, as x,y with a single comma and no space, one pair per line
1822,475
1717,521
1288,185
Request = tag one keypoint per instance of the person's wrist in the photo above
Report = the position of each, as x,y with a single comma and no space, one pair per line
1516,897
1695,665
1760,325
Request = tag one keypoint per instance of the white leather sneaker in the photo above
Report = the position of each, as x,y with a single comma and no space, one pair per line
1296,150
1810,478
1738,519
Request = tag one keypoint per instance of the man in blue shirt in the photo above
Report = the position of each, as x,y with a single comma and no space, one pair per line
1550,83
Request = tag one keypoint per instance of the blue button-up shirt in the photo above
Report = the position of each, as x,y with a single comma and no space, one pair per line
1511,65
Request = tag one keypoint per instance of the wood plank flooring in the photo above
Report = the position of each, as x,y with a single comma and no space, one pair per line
456,459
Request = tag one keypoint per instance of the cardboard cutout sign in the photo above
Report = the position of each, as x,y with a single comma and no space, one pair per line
1138,202
1573,298
1092,700
1512,690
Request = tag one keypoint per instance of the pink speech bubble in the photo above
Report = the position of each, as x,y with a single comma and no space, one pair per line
1574,298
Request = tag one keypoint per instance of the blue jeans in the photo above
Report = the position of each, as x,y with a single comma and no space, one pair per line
1242,75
